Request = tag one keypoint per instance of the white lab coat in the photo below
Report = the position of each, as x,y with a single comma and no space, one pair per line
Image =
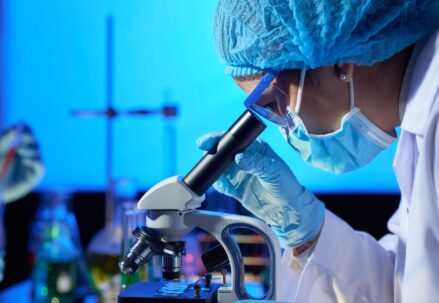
351,266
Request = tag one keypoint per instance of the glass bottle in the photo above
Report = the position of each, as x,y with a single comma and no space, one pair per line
56,253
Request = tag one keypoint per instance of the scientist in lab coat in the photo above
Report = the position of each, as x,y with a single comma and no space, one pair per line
342,76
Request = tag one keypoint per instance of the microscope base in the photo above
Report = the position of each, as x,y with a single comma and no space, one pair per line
147,292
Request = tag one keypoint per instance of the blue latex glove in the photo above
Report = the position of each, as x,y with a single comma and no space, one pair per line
265,185
21,167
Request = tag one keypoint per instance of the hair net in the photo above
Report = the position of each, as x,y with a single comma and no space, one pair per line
254,35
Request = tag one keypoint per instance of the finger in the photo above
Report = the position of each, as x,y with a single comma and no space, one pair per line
207,141
257,158
29,151
224,183
234,186
257,147
262,162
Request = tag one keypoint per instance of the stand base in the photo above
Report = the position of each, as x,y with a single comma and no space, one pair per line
148,292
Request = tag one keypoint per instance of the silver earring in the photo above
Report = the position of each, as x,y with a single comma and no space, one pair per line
343,76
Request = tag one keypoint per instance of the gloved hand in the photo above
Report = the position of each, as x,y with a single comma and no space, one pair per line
265,185
20,162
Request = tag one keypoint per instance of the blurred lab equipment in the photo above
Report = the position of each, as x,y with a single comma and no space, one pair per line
104,249
167,111
110,113
55,241
171,214
56,251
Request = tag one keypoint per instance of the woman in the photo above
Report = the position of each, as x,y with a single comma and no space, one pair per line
343,75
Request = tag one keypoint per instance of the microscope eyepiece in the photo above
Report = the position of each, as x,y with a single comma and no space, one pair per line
237,138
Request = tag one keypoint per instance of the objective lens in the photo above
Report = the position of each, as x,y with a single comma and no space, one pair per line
137,256
149,243
171,267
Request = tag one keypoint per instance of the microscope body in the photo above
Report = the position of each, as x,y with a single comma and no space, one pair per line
174,223
171,207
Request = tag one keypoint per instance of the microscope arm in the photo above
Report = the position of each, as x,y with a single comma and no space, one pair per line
220,226
170,194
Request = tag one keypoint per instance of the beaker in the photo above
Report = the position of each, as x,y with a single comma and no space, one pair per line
104,249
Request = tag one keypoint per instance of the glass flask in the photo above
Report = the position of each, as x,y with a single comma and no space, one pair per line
56,252
103,252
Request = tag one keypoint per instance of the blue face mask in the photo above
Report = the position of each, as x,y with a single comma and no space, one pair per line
355,144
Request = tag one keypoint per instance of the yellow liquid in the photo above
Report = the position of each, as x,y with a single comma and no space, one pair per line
105,270
103,267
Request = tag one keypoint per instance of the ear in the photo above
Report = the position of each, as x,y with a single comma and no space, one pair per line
345,71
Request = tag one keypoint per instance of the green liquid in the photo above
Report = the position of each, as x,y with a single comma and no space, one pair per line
55,281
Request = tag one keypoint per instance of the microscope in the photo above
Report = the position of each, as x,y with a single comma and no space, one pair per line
171,212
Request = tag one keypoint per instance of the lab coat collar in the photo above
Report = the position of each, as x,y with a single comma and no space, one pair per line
408,76
422,87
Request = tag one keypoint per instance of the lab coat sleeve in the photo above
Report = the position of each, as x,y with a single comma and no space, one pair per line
421,273
345,266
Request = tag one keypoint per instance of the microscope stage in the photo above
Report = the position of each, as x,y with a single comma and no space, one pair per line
148,292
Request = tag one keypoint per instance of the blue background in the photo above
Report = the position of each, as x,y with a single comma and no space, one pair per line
54,61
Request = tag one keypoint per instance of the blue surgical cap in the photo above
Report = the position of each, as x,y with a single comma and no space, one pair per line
252,36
